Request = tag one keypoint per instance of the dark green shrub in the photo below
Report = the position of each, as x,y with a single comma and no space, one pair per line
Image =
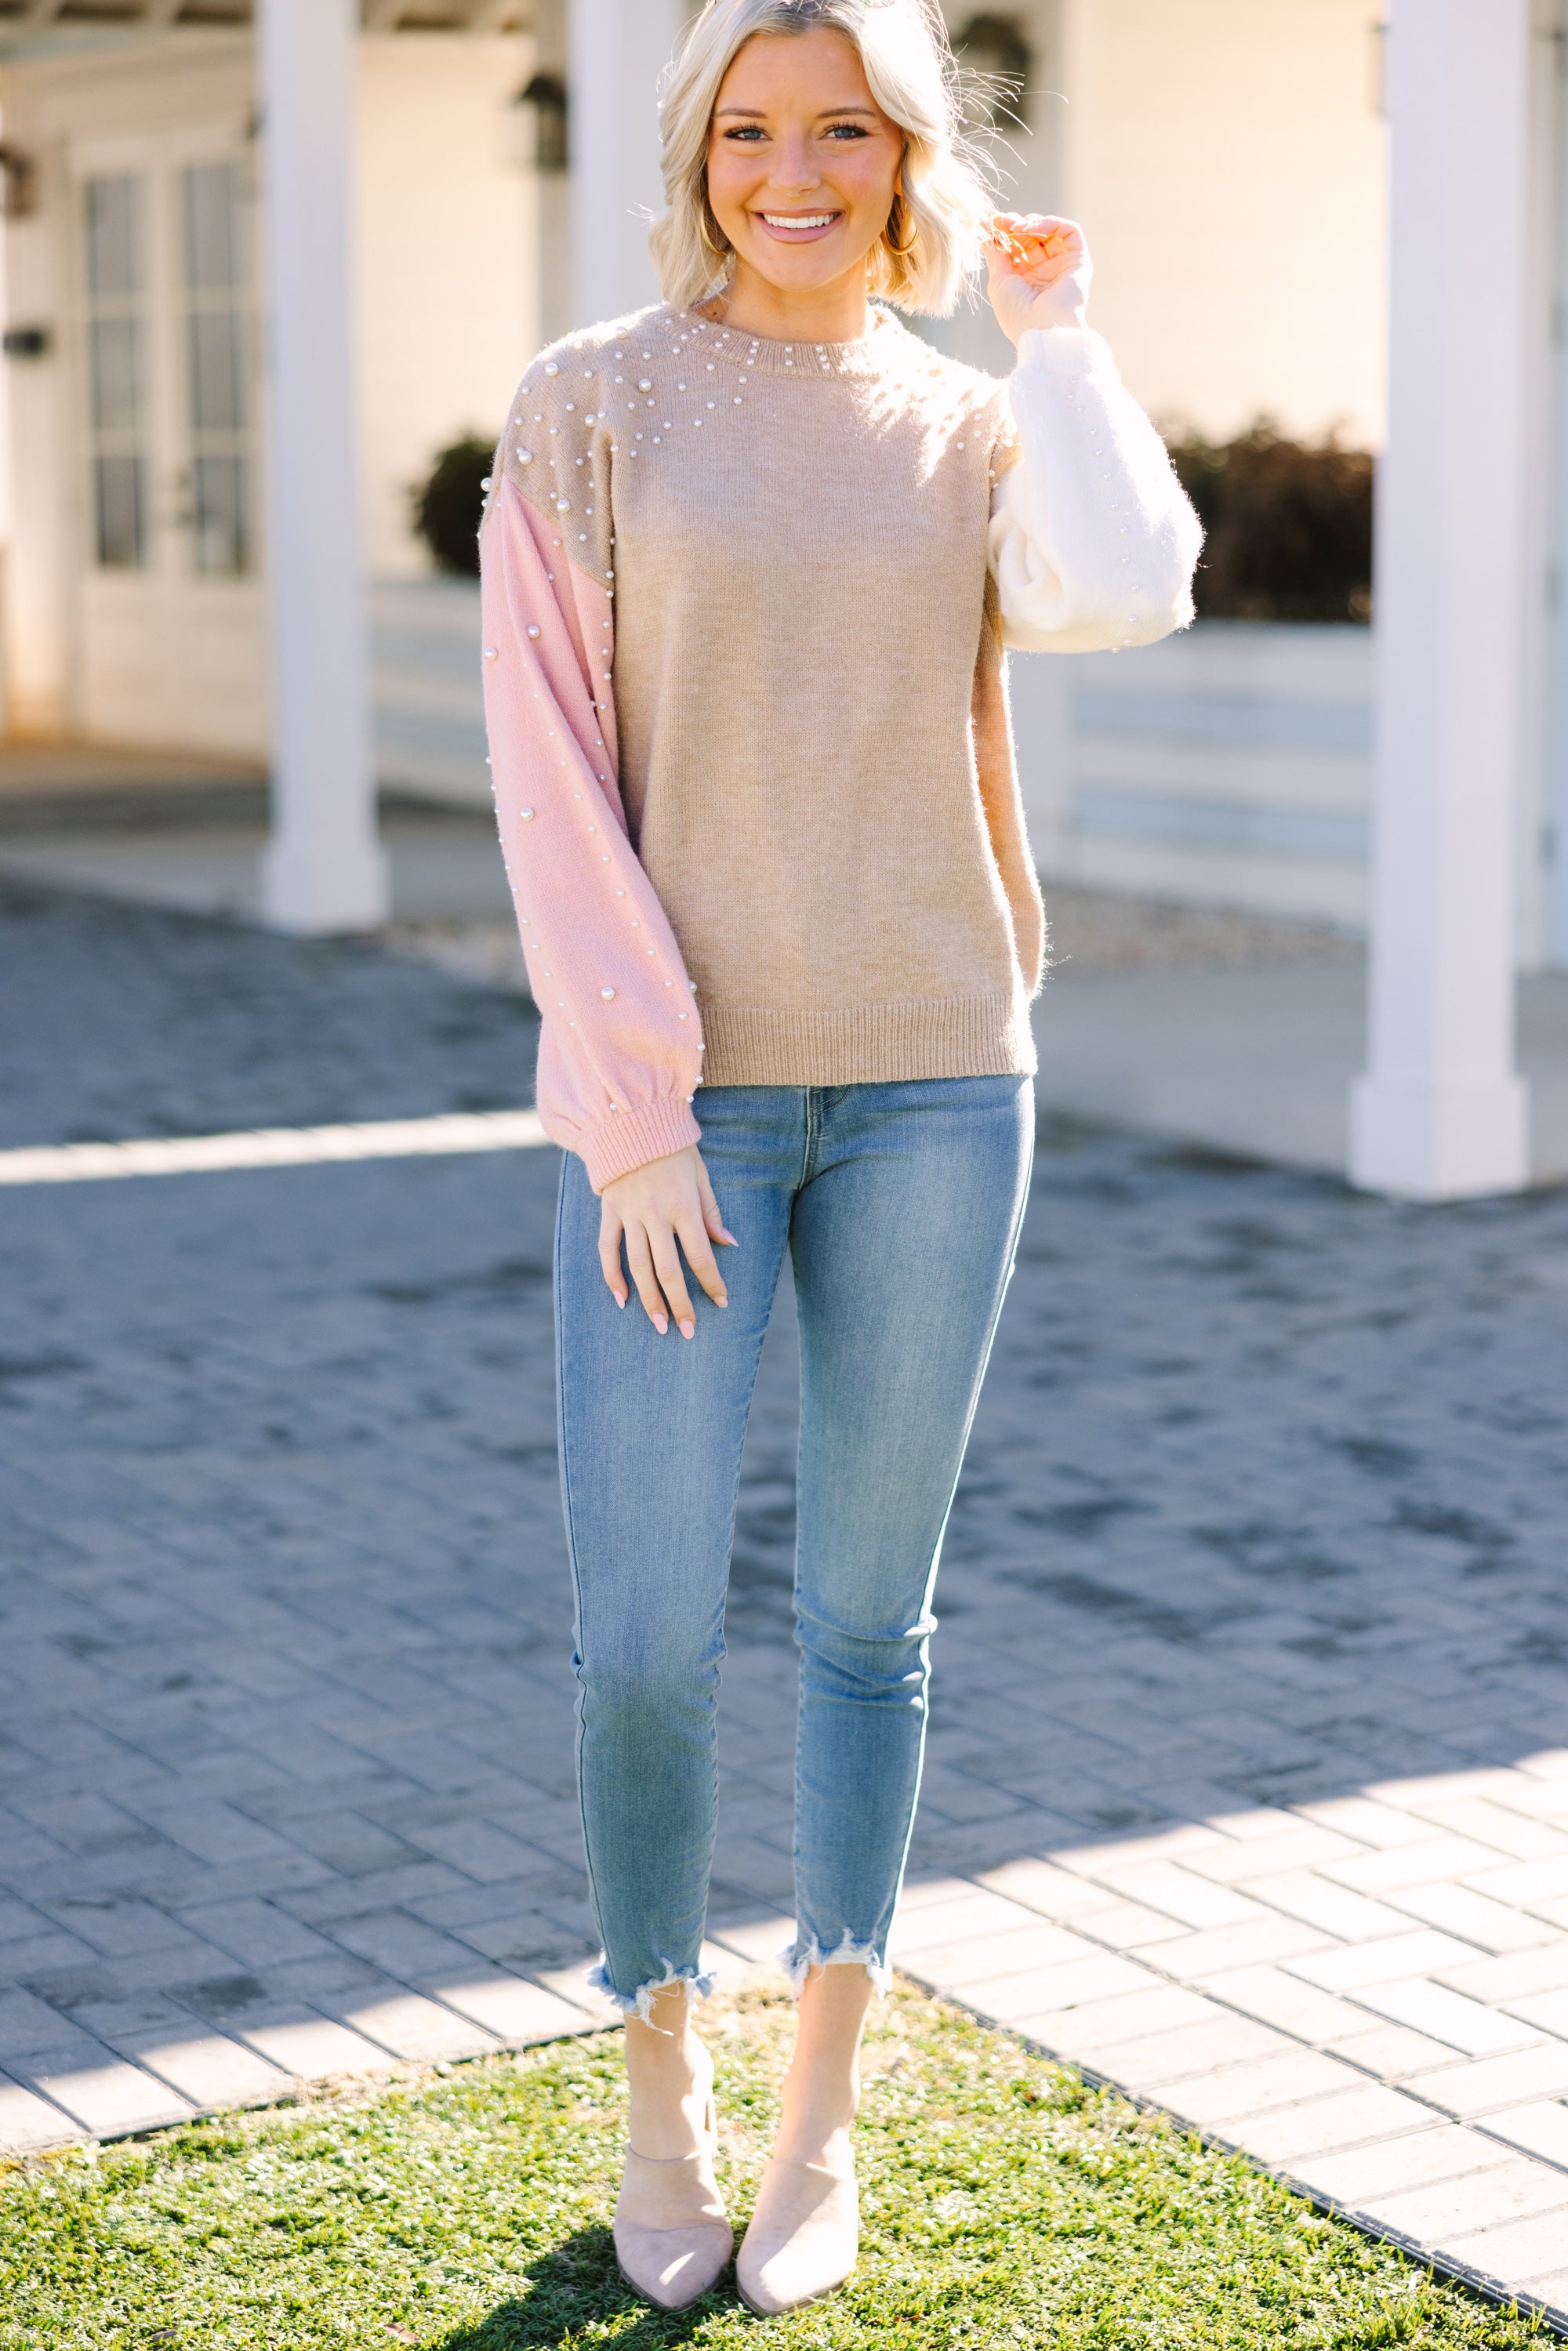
447,505
1288,526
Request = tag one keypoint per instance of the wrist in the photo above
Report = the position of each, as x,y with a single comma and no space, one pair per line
1055,318
620,1145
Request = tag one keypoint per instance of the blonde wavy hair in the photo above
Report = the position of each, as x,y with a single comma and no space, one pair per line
942,193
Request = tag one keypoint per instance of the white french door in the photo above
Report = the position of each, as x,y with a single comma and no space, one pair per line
171,614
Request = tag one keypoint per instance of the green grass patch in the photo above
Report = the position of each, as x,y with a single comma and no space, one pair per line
1005,2205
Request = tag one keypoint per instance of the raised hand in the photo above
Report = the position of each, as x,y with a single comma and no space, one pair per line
1039,272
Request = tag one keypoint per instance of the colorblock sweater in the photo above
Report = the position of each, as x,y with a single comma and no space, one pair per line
746,607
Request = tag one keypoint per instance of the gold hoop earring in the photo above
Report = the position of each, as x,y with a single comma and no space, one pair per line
724,248
900,204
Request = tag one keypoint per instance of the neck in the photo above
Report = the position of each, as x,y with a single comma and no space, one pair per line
823,314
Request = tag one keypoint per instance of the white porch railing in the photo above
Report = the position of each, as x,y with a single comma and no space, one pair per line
429,704
1230,766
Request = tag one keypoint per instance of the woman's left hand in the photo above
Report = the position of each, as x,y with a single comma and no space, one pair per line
1040,271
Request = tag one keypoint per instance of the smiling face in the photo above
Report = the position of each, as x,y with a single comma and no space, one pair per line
802,167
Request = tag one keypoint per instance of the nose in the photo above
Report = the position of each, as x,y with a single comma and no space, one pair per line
793,168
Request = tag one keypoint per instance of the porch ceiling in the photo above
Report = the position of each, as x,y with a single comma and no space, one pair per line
22,17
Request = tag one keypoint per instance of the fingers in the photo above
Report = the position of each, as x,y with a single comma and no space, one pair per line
1039,225
1002,253
667,1266
1029,240
712,1220
656,1270
655,1265
610,1231
702,1260
640,1257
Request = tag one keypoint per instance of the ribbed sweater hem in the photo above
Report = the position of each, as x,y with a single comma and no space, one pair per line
868,1044
631,1140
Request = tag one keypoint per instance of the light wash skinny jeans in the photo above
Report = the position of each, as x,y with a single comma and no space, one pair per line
900,1205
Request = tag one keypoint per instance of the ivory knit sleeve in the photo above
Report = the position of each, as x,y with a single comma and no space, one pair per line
620,1049
1093,541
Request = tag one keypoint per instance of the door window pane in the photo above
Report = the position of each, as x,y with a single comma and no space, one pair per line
114,235
214,242
114,256
114,356
218,361
218,372
120,501
223,517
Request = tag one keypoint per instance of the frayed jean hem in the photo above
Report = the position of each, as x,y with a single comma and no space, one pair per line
798,1964
639,2003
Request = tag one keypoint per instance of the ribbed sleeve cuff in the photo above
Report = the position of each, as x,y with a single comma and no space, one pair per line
626,1142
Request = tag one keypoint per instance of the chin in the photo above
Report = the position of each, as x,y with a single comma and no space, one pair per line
800,268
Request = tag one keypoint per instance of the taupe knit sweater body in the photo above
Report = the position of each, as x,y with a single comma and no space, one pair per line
809,687
800,564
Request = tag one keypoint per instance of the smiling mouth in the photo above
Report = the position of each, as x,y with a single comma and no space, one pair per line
798,224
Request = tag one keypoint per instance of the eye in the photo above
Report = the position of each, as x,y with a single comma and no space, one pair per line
848,130
750,131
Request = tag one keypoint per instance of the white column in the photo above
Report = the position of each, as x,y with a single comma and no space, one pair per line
1553,812
618,50
324,870
1441,1112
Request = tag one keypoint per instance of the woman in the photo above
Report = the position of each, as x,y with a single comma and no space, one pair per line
750,560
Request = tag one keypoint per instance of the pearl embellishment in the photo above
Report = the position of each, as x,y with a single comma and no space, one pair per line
608,994
492,652
533,628
550,368
527,815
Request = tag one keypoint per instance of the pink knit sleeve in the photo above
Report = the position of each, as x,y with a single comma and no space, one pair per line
621,1051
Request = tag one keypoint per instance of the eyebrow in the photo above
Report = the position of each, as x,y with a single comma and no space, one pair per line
757,113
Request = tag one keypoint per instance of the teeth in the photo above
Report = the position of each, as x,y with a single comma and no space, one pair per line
798,220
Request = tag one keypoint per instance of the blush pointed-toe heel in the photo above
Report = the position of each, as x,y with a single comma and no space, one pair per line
803,2238
682,2239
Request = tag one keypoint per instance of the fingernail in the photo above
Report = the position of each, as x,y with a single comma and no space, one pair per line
728,1236
620,1302
688,1330
721,1301
661,1324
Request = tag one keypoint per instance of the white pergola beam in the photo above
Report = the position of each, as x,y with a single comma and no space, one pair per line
1442,1112
379,15
324,870
617,54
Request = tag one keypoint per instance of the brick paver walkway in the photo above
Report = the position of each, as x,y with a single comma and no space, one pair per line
1249,1785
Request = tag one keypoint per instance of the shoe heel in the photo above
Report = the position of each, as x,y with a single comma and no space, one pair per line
673,2264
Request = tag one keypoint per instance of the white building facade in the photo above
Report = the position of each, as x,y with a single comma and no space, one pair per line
257,273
